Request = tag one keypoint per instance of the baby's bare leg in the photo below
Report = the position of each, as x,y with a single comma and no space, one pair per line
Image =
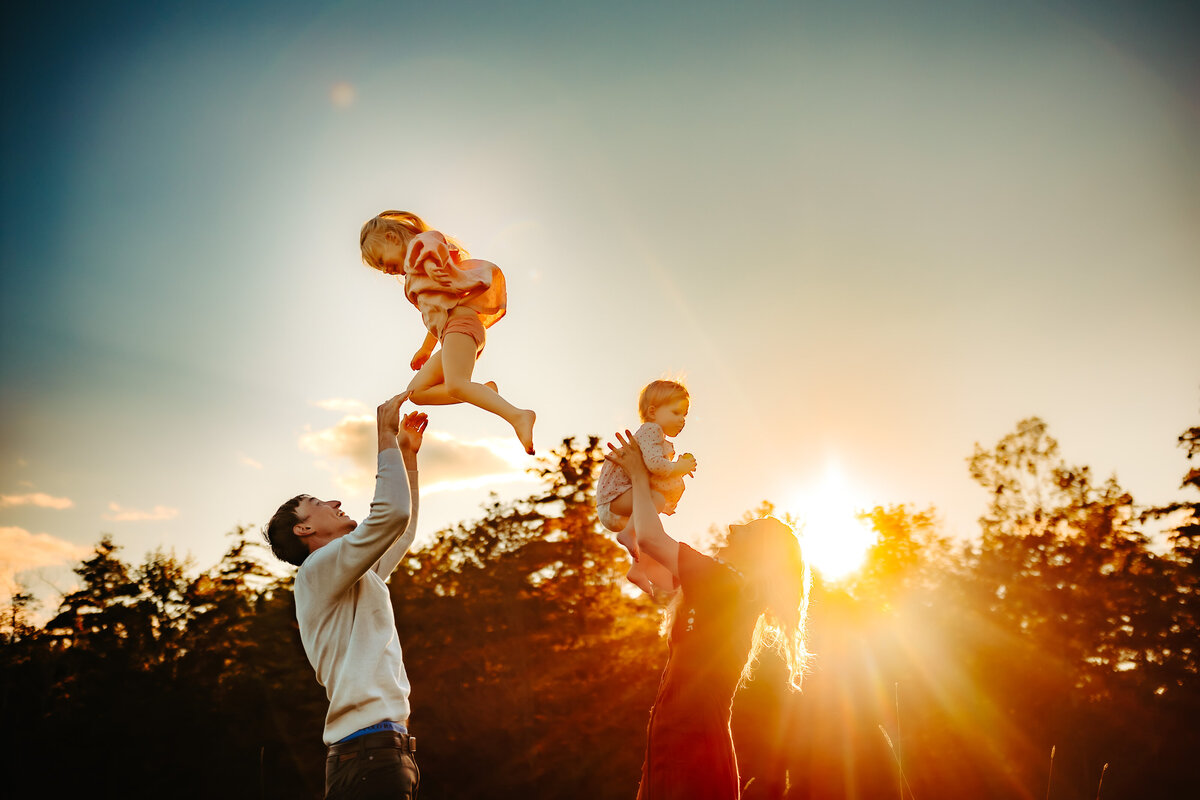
656,573
644,569
623,504
637,573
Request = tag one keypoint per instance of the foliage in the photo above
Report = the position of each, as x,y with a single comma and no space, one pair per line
533,667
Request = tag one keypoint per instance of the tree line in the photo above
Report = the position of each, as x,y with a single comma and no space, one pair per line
943,669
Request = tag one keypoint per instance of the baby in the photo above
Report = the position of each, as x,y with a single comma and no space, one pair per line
663,407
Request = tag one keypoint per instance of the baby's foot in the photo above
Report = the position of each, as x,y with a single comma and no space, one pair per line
629,542
661,596
637,576
524,428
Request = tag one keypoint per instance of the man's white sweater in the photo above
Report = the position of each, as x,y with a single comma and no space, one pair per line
345,611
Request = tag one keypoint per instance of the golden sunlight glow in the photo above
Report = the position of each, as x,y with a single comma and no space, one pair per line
835,541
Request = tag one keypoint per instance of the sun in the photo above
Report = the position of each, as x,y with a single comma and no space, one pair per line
835,540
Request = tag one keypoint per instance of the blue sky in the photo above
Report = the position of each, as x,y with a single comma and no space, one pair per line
868,237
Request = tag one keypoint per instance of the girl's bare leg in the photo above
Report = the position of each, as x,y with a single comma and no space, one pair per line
428,387
458,362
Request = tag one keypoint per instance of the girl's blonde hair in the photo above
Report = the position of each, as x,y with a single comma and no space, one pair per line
404,224
779,579
657,394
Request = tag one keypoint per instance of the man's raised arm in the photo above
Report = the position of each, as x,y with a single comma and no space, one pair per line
412,430
358,551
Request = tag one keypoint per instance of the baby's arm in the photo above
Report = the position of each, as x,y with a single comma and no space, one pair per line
422,355
653,441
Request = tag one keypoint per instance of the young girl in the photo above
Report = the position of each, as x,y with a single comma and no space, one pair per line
663,407
459,298
753,594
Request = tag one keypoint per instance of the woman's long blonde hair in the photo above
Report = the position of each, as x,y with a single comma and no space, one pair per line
404,224
768,555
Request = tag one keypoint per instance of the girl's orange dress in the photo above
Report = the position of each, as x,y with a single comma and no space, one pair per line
472,284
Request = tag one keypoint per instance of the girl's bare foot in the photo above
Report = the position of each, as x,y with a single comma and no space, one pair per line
524,428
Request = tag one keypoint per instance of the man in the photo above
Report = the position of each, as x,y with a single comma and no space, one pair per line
346,620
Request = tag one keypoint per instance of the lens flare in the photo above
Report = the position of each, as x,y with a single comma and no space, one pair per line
835,540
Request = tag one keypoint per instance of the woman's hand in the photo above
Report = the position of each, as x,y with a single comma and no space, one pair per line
628,456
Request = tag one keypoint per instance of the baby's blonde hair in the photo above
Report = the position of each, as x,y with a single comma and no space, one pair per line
404,224
657,394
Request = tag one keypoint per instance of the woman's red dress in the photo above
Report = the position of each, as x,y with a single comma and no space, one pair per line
689,749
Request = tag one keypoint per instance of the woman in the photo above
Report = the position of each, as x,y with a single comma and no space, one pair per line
753,594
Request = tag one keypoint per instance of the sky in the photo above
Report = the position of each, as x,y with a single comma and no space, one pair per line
867,237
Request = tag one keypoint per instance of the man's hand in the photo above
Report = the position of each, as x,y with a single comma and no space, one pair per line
412,431
387,421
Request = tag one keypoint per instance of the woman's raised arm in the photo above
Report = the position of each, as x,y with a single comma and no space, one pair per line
652,539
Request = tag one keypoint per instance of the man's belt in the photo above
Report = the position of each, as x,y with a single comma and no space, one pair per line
375,741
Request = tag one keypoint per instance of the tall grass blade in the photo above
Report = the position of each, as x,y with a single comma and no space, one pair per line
899,759
1102,771
1051,775
896,756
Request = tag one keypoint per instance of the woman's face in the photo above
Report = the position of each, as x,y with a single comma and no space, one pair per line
764,542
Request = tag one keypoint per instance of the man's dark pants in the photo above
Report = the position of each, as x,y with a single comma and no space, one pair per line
379,766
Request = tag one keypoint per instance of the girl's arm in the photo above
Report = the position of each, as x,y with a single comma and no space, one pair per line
652,539
653,443
422,355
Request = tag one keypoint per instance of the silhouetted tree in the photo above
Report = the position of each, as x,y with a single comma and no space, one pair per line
533,666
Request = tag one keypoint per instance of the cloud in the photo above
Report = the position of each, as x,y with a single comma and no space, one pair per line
21,550
447,463
118,513
344,404
248,461
39,499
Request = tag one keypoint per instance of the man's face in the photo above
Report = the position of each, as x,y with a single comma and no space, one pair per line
322,518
